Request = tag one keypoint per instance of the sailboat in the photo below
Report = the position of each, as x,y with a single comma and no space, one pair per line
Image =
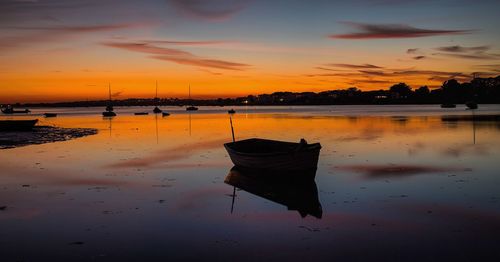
109,108
191,107
156,110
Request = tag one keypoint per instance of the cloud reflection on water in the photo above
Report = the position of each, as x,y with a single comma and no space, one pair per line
159,158
397,170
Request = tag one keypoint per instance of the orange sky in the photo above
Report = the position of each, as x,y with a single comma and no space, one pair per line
234,48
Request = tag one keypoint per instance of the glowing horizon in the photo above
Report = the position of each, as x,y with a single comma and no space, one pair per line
54,50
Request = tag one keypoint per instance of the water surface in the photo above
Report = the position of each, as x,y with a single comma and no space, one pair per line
394,182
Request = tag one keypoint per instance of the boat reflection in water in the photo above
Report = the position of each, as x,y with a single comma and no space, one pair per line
295,194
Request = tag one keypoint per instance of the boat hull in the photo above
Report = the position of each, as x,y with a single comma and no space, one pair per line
17,125
108,114
281,158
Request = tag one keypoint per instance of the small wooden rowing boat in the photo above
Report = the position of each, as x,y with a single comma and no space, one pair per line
294,194
17,125
231,111
165,114
272,155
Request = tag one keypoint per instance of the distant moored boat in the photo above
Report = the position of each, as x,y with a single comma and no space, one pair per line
231,111
49,114
10,110
448,105
109,108
471,105
157,110
191,107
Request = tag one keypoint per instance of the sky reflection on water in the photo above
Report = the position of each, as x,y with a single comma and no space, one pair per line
405,186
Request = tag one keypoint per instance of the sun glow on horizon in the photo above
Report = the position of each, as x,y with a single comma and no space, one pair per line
234,48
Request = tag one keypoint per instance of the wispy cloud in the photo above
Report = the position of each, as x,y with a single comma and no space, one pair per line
426,73
176,55
36,34
462,52
355,66
210,72
74,29
494,68
189,43
380,31
143,47
372,72
368,74
196,61
419,57
481,56
209,9
463,49
412,51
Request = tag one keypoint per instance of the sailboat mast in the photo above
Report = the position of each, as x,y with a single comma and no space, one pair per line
156,89
109,90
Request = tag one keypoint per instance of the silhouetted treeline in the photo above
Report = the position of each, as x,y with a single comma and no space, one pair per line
480,90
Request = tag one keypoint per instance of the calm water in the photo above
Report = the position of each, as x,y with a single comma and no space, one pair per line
394,182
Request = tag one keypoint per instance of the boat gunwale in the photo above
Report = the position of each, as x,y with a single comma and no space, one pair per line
310,147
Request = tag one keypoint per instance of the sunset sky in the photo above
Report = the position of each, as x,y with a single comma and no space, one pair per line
60,50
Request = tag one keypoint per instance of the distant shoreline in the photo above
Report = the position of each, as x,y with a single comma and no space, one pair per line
479,90
229,105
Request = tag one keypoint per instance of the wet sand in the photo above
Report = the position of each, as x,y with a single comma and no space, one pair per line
42,135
